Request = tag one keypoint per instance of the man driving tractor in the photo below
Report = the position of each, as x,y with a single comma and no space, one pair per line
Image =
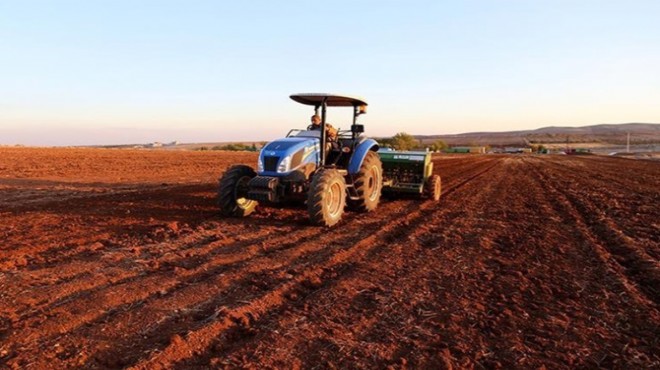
330,132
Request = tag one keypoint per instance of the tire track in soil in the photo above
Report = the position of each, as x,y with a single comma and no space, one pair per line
609,314
422,265
608,173
206,236
639,266
618,194
50,247
55,201
232,349
412,205
336,277
125,304
451,262
229,348
161,281
511,295
210,234
632,255
623,260
108,257
484,298
525,284
249,243
100,252
301,250
127,269
198,341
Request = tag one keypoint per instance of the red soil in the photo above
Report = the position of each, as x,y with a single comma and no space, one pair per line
117,258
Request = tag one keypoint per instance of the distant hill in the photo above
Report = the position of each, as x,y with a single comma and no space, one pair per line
606,134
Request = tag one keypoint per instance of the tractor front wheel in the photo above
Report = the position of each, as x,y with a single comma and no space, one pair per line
433,187
233,189
326,198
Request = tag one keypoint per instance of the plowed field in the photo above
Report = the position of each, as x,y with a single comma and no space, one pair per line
117,258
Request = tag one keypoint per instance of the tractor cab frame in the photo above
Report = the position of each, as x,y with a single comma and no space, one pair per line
322,102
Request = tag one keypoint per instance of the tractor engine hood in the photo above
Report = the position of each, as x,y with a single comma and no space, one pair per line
282,156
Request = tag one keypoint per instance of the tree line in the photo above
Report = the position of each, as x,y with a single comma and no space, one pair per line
400,141
405,141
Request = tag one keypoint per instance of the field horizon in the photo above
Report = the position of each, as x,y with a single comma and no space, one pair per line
599,135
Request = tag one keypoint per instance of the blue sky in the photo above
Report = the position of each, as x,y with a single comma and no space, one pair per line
109,72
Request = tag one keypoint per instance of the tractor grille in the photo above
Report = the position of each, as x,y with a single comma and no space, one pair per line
270,163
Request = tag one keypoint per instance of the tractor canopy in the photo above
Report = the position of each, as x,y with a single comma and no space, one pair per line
331,100
322,101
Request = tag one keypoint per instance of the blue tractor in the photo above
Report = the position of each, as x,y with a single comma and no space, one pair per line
326,174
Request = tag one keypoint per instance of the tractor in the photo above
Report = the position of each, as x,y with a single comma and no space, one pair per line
327,175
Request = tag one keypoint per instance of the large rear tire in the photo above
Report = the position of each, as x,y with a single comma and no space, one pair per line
232,191
433,188
368,184
326,198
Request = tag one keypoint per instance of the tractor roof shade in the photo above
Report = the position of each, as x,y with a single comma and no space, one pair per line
332,100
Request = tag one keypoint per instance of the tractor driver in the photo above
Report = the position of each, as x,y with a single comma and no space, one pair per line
330,132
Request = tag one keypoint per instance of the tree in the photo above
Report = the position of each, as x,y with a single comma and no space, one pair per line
403,141
385,142
234,147
438,146
538,148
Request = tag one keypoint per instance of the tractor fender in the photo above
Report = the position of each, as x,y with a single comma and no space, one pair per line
360,152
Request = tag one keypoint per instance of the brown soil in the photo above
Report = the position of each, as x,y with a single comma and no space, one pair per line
117,258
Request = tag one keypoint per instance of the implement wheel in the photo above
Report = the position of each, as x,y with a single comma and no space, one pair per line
433,188
233,189
326,198
368,184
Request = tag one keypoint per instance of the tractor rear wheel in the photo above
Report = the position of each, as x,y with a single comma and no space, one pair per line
326,198
433,187
233,189
368,184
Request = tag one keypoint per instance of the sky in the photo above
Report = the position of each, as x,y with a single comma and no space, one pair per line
92,72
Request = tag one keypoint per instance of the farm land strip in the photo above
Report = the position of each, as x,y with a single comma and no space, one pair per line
117,258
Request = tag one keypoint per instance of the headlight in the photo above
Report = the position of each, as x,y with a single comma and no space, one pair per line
284,164
260,165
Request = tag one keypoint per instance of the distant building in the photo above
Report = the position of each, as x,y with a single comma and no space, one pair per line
466,149
578,151
516,150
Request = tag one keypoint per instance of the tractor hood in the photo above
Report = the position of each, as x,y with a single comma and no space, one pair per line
288,142
282,156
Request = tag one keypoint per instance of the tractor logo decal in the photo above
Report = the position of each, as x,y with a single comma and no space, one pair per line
309,150
410,157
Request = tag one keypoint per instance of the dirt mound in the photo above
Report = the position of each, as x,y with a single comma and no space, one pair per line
117,258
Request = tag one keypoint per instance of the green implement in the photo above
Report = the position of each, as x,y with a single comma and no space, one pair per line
409,172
